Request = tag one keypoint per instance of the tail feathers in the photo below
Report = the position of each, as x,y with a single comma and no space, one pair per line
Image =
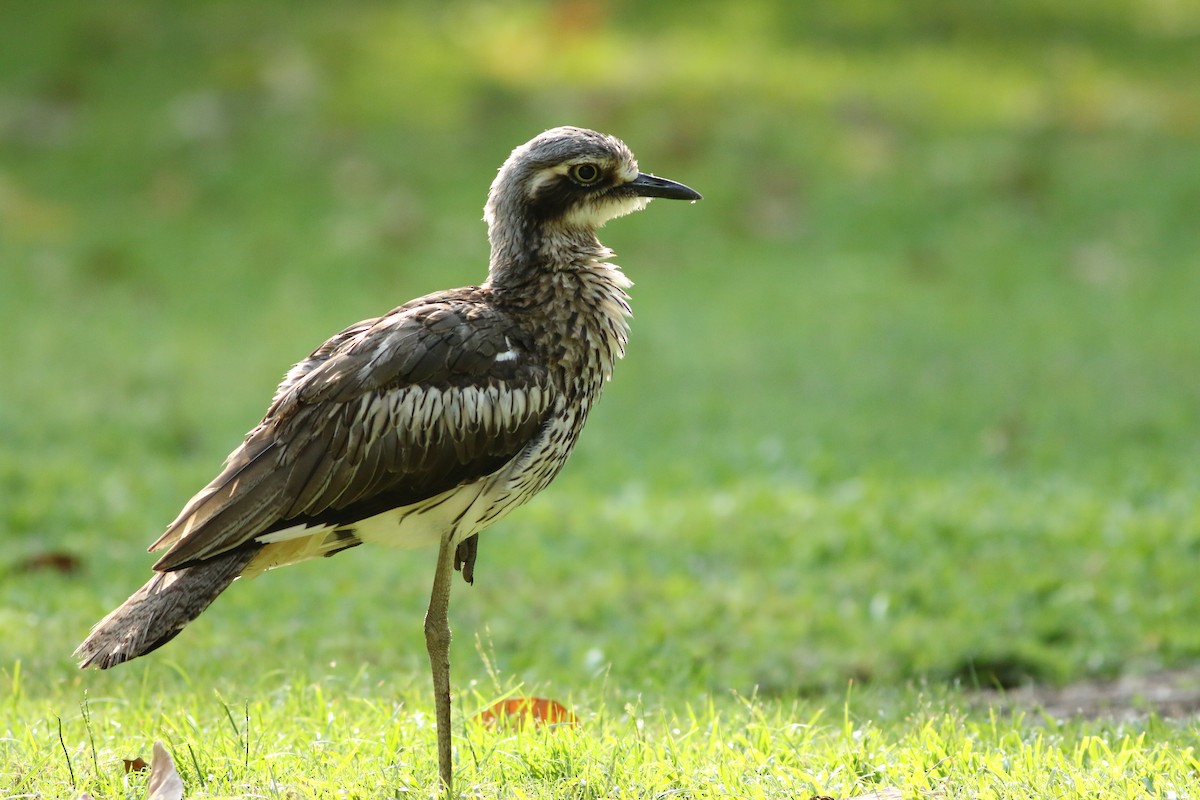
155,613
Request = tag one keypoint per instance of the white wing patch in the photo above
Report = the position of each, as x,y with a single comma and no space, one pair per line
300,531
296,544
510,354
463,411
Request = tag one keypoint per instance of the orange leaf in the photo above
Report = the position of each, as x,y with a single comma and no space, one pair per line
516,710
135,764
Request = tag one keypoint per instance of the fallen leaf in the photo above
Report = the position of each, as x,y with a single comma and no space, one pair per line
54,561
164,783
516,710
135,765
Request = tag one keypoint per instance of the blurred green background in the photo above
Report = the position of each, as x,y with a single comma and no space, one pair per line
912,393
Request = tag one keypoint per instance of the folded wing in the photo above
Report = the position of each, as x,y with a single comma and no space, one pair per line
440,392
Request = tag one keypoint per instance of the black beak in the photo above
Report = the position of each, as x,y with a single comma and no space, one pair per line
649,186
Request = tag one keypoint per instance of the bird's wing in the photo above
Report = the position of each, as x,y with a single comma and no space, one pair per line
391,411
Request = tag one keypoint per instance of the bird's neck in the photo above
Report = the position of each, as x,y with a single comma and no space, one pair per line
523,250
563,283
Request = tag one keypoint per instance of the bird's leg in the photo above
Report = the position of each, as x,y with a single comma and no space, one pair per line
437,642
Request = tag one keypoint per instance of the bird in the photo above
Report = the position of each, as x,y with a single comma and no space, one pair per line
427,424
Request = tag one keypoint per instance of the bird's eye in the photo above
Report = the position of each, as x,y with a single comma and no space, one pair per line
585,174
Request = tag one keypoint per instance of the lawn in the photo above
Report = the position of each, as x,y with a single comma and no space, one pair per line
909,423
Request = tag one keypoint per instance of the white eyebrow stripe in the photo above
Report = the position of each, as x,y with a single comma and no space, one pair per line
541,178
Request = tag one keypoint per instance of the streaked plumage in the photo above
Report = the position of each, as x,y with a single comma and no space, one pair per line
427,424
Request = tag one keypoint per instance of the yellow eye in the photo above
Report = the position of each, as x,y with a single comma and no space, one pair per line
584,174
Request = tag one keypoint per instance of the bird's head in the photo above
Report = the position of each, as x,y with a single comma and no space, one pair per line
571,180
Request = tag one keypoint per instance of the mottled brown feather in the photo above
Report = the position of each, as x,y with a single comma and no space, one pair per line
336,445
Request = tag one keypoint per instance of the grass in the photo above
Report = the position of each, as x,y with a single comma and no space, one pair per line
909,410
337,736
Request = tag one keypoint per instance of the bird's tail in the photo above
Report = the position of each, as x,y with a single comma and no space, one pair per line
155,613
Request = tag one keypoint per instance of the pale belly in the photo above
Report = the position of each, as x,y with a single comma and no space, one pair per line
418,525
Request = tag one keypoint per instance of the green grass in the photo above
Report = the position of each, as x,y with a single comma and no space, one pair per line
339,736
910,407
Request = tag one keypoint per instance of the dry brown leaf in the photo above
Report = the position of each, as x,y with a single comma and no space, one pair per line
136,764
55,561
516,710
164,783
